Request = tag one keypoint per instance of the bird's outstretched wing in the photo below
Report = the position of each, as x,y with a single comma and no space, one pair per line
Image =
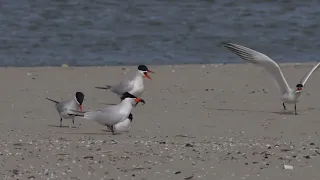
306,77
261,60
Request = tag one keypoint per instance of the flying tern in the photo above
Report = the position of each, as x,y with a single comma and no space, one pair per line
65,108
288,95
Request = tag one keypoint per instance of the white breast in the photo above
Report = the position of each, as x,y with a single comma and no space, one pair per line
138,86
123,126
290,97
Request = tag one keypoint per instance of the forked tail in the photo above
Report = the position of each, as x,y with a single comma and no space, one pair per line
53,100
105,88
76,113
86,115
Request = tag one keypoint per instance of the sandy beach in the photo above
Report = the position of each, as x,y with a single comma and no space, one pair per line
222,122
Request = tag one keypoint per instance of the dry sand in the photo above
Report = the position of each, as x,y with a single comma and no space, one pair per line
219,122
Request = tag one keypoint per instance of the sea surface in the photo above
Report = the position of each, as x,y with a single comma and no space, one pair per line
129,32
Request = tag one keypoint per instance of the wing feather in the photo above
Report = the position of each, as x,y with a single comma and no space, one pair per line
306,77
261,60
122,87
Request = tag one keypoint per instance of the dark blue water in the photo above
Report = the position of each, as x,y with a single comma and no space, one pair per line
114,32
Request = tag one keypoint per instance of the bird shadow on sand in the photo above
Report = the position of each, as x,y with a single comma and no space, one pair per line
105,132
108,104
87,133
255,111
58,126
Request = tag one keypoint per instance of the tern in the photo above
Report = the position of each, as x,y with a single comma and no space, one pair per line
113,114
65,108
133,86
287,94
123,126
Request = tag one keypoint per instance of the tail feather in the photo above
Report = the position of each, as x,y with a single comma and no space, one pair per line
85,115
107,87
90,114
53,100
75,111
74,114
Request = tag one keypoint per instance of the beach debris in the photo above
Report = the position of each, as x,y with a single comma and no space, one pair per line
288,167
285,150
15,171
307,157
185,136
209,89
88,157
189,145
31,177
64,65
189,177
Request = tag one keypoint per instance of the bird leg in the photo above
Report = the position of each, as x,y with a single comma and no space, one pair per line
111,129
74,126
284,106
295,109
60,122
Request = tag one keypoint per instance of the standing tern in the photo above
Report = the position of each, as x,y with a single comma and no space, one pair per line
288,95
133,86
65,108
113,114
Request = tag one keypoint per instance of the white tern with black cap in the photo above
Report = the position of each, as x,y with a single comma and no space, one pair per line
133,85
65,108
288,95
113,114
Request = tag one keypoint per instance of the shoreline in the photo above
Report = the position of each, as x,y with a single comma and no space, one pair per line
160,65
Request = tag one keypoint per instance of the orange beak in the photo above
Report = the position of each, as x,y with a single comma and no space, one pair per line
147,75
140,100
80,108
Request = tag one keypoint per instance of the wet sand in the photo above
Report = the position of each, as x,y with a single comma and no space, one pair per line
220,122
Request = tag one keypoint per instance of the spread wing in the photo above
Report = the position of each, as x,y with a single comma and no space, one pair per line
306,77
261,60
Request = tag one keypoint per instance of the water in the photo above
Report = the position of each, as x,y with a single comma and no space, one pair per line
113,32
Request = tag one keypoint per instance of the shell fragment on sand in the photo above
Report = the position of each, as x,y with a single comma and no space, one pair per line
288,167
